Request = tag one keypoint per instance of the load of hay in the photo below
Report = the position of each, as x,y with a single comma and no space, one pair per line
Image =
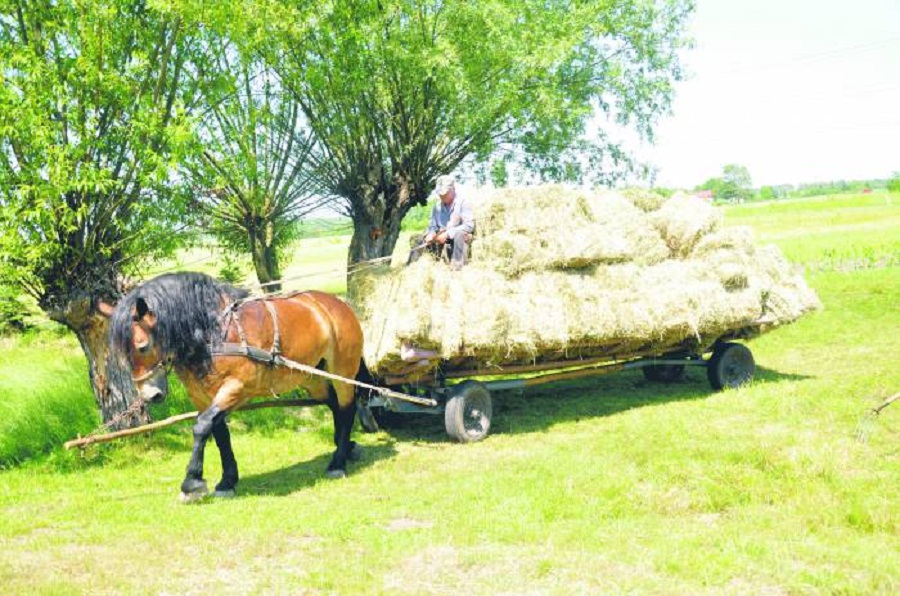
558,273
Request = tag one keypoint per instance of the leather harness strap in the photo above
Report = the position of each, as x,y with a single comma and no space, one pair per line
274,357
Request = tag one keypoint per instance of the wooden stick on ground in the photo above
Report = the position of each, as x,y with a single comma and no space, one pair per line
886,403
138,430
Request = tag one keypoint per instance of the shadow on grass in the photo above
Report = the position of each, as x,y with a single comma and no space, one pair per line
539,407
773,376
308,473
533,409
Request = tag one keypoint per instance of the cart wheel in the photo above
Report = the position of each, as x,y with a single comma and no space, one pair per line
366,418
385,418
467,414
731,366
663,373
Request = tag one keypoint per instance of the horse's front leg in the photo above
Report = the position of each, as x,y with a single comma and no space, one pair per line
194,486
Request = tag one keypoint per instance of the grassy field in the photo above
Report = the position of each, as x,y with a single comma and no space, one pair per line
611,484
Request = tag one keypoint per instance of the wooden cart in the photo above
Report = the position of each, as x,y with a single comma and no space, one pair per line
462,394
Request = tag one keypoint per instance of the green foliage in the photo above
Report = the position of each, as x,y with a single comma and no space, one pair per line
737,176
231,269
93,112
893,184
12,311
425,86
733,185
254,172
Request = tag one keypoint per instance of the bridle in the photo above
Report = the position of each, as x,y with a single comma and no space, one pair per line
141,378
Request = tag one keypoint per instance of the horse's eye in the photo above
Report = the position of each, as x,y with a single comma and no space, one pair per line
144,348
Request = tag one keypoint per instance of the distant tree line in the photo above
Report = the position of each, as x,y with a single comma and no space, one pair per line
735,186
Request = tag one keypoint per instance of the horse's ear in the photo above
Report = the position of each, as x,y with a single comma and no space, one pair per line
143,312
105,308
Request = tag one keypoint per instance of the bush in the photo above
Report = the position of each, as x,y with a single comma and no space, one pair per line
893,184
13,313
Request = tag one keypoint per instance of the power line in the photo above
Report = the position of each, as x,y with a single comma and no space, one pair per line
832,54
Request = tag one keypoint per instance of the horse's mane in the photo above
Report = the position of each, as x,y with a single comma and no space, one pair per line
187,308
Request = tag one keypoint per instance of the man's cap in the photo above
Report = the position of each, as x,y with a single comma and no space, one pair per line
444,185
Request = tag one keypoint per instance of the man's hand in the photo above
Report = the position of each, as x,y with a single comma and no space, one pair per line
441,238
429,237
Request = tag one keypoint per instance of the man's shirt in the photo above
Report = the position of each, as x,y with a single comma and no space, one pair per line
455,218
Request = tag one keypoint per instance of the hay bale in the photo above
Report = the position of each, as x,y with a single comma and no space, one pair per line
554,227
538,289
683,220
643,199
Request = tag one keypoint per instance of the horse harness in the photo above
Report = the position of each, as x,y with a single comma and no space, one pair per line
273,357
229,317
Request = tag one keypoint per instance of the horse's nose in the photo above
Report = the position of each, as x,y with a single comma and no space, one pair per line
151,394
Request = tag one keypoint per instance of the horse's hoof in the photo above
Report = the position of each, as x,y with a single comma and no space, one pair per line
356,453
224,494
335,474
193,490
196,497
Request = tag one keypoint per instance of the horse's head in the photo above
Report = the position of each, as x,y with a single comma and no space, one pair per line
134,337
148,362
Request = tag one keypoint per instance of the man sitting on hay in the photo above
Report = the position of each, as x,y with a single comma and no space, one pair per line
450,229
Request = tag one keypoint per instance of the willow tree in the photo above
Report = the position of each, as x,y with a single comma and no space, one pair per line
400,91
92,115
253,170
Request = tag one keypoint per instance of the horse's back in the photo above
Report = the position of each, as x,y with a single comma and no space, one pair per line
329,319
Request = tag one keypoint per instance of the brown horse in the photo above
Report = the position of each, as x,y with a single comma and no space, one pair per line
223,346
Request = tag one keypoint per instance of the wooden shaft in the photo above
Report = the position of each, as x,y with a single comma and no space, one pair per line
574,374
83,442
530,368
146,428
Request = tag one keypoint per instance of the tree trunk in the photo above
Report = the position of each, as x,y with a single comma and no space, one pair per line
265,258
378,211
112,385
372,239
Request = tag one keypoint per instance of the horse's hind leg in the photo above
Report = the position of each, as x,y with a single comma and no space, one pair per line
343,415
222,435
194,486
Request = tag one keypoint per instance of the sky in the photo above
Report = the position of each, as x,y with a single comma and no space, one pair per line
794,90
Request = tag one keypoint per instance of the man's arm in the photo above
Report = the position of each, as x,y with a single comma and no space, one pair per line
463,221
433,223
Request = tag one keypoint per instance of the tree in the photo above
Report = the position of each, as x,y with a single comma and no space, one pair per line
398,92
93,108
253,169
733,184
767,193
737,178
893,184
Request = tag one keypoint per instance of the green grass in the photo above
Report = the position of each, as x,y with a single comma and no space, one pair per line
845,232
610,484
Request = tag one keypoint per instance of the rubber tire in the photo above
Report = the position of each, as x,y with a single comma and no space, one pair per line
468,412
663,373
730,366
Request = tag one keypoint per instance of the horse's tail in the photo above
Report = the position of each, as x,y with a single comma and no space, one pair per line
364,376
366,419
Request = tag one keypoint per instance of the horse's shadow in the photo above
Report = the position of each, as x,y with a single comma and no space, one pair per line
308,473
537,408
